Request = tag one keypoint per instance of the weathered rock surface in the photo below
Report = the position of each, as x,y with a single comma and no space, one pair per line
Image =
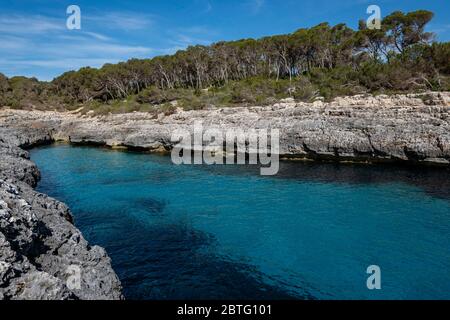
41,251
399,128
38,242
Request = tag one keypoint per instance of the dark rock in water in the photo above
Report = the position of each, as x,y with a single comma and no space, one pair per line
42,254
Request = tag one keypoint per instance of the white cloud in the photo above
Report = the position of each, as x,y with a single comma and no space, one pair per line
32,42
184,40
98,36
62,63
170,50
439,28
126,21
12,43
32,24
70,44
183,37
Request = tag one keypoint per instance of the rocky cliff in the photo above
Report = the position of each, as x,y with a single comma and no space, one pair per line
42,254
402,128
39,243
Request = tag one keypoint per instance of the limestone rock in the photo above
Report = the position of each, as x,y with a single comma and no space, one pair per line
39,245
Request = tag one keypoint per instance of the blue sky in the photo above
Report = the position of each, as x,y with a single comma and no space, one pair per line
34,40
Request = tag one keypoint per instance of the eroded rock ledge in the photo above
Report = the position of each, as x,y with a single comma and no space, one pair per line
38,241
401,128
40,248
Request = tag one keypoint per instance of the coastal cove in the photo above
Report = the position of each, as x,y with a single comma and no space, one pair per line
218,233
196,232
208,159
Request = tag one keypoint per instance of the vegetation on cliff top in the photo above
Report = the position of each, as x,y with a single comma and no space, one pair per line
323,61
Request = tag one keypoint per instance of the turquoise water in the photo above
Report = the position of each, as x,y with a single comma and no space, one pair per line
224,232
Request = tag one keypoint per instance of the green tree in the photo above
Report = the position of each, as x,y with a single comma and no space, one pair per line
405,30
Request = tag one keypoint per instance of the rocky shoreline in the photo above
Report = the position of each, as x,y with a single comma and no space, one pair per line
41,251
400,128
38,242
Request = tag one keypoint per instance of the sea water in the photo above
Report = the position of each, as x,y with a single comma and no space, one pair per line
225,232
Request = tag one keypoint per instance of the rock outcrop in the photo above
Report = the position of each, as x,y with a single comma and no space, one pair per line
42,254
39,246
401,128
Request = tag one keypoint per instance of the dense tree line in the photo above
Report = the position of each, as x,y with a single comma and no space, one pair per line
399,56
4,87
22,91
